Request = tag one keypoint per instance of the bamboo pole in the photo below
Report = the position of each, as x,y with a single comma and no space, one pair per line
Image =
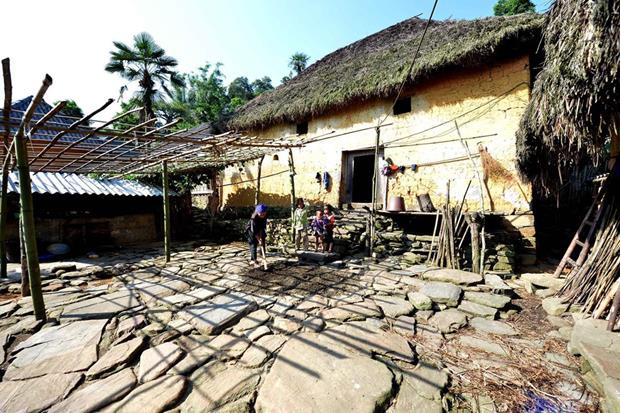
260,168
373,210
26,209
291,166
8,93
24,261
164,168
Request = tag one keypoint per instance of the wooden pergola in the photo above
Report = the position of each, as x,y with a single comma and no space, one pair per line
52,142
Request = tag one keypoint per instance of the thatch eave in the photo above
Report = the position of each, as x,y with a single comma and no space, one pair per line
373,68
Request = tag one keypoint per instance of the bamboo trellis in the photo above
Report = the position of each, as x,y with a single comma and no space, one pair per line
42,139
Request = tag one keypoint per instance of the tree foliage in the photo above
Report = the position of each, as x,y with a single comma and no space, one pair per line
510,7
297,63
146,63
71,109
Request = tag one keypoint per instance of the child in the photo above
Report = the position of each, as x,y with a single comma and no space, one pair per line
318,228
300,224
330,218
257,231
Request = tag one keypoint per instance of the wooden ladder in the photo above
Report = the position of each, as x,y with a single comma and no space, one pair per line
590,221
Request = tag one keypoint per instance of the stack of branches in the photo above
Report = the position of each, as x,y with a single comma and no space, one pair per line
452,234
595,284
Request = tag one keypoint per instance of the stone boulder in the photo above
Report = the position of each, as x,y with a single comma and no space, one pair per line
452,276
442,293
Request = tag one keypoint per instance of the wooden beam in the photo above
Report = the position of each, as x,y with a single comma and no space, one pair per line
73,126
167,234
88,135
112,139
373,211
8,96
260,167
291,166
26,208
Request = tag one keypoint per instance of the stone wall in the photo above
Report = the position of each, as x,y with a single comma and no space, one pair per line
487,103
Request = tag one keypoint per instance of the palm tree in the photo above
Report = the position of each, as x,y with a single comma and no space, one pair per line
298,62
147,63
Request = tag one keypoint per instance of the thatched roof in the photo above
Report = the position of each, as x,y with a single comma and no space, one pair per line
575,99
375,66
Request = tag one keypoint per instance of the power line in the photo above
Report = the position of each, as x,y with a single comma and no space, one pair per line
402,85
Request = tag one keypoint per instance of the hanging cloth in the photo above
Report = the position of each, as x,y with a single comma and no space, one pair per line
326,180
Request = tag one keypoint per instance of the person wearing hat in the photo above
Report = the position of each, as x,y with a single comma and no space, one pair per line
257,231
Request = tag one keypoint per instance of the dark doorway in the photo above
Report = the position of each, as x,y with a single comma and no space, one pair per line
358,167
361,181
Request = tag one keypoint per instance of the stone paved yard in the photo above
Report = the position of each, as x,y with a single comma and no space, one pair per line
205,332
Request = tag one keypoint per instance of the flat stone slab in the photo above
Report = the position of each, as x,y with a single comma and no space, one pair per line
101,307
554,305
153,396
483,345
492,327
252,321
227,347
216,384
606,367
37,394
261,350
366,338
330,379
419,300
317,257
442,293
393,306
116,355
487,299
452,276
448,321
215,315
477,310
496,282
593,332
7,309
61,349
192,296
543,280
130,324
351,312
152,292
157,360
97,395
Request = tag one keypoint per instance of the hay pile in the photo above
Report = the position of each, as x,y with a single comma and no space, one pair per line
573,111
374,67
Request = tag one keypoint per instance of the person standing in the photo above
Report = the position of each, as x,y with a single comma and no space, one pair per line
300,223
256,231
330,218
318,229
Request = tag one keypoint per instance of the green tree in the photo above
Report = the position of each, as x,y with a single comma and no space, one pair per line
72,109
510,7
298,62
146,63
241,88
177,105
262,85
207,94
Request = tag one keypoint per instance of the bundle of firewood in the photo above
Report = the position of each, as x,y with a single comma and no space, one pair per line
597,282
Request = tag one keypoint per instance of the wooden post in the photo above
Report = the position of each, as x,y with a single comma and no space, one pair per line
291,166
164,172
375,178
26,208
475,222
24,261
614,311
260,168
8,96
3,216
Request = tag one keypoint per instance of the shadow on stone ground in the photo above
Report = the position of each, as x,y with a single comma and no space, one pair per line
207,332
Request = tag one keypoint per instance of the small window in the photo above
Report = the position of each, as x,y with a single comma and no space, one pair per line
302,128
402,106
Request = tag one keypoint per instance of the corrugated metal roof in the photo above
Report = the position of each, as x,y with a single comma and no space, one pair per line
61,183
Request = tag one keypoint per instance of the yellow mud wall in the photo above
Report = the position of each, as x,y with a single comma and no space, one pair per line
487,104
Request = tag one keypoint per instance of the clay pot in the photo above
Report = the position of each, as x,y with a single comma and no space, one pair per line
396,204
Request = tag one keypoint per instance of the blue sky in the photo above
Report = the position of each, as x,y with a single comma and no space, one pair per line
71,41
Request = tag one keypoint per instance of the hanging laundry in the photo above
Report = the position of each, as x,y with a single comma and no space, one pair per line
326,179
